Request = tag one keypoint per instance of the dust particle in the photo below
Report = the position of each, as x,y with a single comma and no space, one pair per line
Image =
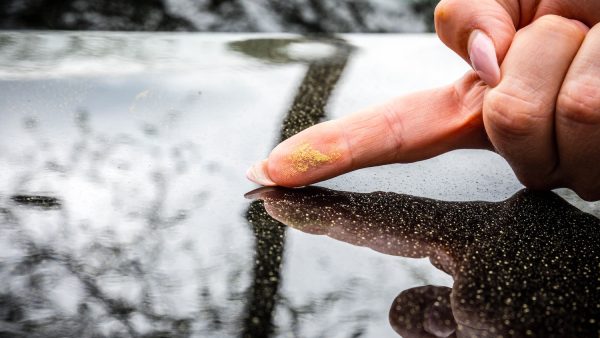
305,157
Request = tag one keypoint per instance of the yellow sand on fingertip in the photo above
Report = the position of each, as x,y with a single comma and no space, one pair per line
305,157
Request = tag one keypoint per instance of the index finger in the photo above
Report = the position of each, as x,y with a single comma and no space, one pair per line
408,129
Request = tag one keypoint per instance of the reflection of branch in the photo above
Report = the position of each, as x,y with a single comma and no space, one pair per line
117,309
10,313
136,261
36,255
319,306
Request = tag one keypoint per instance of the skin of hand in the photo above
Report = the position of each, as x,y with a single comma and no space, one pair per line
526,266
540,109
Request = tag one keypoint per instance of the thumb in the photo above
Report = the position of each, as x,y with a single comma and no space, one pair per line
479,31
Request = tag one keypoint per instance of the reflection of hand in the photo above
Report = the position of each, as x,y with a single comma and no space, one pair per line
530,263
540,110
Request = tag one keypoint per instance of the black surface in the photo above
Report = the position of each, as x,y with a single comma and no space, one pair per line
528,266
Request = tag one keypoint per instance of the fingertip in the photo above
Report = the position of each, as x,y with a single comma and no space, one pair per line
259,174
455,21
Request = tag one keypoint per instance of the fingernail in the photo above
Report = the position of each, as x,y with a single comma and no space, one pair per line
483,58
258,174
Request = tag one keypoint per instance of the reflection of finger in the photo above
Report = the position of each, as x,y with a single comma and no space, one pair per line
423,312
343,217
519,112
389,223
411,128
578,119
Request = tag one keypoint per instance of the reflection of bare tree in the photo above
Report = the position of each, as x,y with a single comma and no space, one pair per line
63,266
307,109
104,15
301,16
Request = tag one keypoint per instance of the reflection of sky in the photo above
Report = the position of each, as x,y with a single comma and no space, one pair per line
160,103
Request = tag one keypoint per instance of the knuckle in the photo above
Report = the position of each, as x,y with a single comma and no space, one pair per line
579,103
551,20
557,23
511,115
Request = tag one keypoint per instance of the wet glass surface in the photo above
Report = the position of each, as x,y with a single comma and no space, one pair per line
122,211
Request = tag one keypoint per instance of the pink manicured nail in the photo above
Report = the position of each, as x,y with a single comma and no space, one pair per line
483,58
258,174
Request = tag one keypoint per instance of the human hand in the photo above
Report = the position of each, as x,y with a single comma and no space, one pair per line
540,110
521,267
